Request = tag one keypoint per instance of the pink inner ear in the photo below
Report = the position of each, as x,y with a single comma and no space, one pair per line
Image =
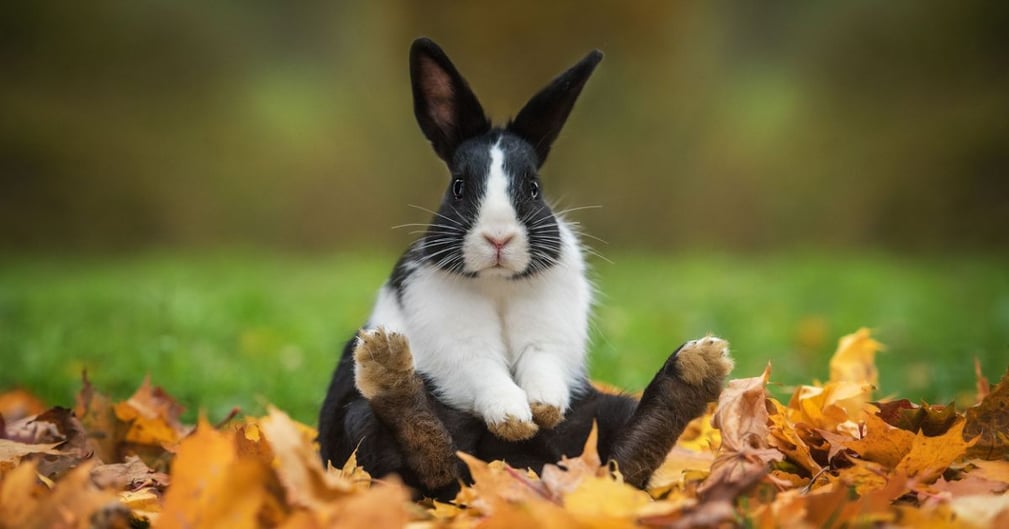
437,87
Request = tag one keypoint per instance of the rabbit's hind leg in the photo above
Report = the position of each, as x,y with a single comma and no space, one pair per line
690,379
384,374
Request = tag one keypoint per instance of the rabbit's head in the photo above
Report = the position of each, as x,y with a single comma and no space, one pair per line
493,220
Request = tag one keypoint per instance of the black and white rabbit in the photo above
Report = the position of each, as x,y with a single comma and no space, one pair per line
477,341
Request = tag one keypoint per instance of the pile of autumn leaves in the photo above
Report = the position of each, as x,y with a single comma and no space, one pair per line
829,457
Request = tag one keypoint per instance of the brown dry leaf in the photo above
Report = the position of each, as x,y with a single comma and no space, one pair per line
211,486
97,414
930,419
742,413
997,470
989,422
132,474
744,456
60,424
12,452
968,486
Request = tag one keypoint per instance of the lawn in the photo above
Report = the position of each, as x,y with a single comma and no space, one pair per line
249,328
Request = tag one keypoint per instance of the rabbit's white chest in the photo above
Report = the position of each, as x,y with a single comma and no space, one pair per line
455,325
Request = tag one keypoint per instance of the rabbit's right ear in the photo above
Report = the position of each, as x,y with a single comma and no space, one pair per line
447,110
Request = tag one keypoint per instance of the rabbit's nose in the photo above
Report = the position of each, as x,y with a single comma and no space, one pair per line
499,241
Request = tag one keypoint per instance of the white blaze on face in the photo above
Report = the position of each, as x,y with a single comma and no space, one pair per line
497,244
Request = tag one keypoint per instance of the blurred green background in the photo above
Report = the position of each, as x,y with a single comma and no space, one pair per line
204,191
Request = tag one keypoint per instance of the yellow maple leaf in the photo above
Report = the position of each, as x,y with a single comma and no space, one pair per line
211,485
855,359
882,443
929,457
603,502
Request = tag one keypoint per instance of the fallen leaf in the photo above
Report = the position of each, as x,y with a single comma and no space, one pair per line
742,414
382,506
744,457
211,486
132,474
18,404
968,486
929,419
70,504
996,470
11,453
989,423
980,510
569,473
20,490
306,483
930,456
604,500
855,359
983,386
882,443
854,363
106,433
671,474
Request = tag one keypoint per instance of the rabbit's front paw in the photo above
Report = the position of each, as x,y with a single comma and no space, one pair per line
383,363
546,415
505,410
513,428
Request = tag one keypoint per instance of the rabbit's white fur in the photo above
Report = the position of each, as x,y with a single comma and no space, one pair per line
493,344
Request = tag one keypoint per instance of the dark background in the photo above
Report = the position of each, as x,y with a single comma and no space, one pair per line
142,124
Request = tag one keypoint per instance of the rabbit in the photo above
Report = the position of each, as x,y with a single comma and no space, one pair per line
478,339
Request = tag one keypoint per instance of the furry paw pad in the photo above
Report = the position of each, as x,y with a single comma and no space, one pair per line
513,429
704,359
383,362
546,415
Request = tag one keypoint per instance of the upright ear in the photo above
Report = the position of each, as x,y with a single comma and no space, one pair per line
446,109
541,120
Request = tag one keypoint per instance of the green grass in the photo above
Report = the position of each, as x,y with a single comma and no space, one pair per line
245,329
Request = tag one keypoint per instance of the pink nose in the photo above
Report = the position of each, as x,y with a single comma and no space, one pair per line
498,242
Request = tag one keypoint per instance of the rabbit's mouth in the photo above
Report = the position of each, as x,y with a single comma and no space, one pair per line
492,252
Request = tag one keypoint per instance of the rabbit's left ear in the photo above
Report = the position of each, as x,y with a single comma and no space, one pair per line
541,119
446,109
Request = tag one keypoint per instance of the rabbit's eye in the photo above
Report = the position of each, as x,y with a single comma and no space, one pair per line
534,189
458,186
